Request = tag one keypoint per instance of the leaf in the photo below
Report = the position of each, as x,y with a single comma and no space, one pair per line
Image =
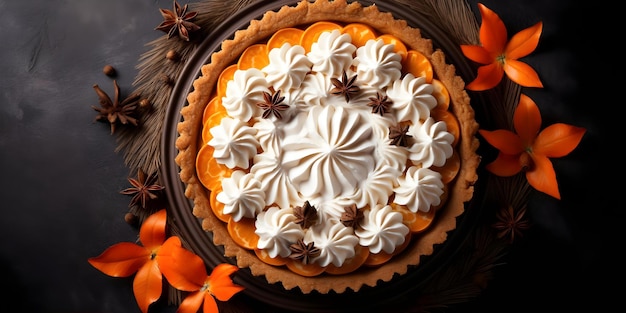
121,260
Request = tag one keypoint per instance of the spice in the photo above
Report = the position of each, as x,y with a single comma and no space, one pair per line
345,87
172,55
143,189
272,105
398,135
352,216
380,104
178,21
304,251
511,224
109,70
116,111
306,215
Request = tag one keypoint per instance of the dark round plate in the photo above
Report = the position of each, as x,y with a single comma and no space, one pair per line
273,297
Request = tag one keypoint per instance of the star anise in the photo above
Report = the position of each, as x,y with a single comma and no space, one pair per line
178,21
116,111
144,188
380,104
306,215
511,224
398,135
303,251
272,105
351,216
345,86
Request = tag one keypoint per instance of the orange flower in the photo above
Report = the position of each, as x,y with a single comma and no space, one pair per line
126,258
531,149
500,56
187,272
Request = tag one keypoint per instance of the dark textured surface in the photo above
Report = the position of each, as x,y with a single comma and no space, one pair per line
60,177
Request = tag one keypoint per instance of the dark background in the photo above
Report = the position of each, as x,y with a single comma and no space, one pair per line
60,177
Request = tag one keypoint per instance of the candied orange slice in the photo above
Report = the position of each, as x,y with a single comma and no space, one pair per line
288,35
210,173
243,233
225,76
255,56
360,33
377,259
263,256
418,65
440,92
313,32
216,206
417,222
399,46
449,170
451,122
210,108
213,120
352,264
308,270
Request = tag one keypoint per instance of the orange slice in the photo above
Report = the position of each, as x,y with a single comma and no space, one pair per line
440,92
243,233
399,46
451,122
213,120
449,170
210,173
308,270
210,108
288,35
417,222
352,264
255,56
225,76
263,256
216,206
377,259
360,33
313,32
444,198
418,65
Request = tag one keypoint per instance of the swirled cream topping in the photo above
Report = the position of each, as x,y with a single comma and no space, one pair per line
419,189
332,153
381,229
287,68
277,230
234,142
244,92
432,143
242,196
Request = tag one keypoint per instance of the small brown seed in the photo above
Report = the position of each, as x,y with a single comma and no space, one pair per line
145,103
172,55
109,70
131,219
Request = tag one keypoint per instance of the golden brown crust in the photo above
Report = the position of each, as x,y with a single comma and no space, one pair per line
460,191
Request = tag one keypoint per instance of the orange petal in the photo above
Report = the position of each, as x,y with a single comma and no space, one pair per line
183,269
526,120
220,283
192,303
147,285
522,73
542,176
488,77
121,260
477,54
210,306
524,42
152,232
505,165
504,140
493,33
558,140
